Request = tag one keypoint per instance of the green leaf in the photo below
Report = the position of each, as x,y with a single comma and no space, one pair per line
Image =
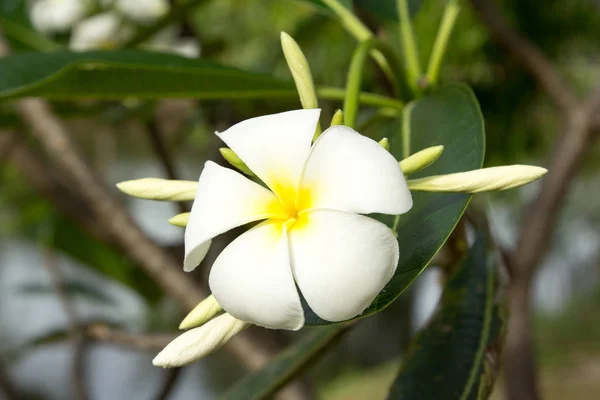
117,75
450,117
275,374
448,360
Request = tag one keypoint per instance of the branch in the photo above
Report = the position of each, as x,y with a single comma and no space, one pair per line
7,390
526,53
579,119
160,150
44,181
568,153
144,342
75,331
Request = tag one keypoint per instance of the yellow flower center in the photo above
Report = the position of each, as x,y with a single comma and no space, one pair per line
290,204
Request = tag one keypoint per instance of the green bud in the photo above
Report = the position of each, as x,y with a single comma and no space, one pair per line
202,313
160,189
235,161
421,159
385,143
481,180
300,71
338,118
180,220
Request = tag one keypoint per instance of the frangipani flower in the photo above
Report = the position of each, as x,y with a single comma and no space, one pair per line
56,16
102,31
313,236
142,11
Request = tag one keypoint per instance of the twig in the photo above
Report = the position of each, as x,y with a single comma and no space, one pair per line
7,390
526,53
44,181
577,127
145,342
78,366
172,377
160,149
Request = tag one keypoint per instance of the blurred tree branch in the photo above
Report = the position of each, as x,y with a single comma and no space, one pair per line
76,334
7,390
577,125
146,342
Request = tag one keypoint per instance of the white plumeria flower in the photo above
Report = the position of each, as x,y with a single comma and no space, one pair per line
142,11
101,31
313,235
56,16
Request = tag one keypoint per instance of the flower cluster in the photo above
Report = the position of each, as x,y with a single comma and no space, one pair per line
105,24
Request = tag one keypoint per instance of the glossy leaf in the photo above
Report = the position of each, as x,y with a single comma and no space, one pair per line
450,358
450,117
275,374
117,75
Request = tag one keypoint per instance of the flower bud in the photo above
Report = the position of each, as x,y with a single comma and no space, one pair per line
160,189
338,118
385,143
481,180
198,342
233,159
180,220
203,312
300,71
421,159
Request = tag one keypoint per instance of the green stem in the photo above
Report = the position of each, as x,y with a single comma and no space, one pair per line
441,41
355,75
27,36
176,13
361,33
371,99
407,38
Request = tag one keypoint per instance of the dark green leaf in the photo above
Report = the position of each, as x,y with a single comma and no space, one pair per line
450,117
117,75
263,383
448,359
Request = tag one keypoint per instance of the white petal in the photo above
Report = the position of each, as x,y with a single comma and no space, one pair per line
252,279
347,171
225,199
196,343
50,16
101,30
341,261
142,11
275,146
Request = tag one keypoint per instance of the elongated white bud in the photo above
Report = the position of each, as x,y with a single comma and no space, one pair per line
202,313
233,159
198,342
421,159
481,180
160,189
300,71
180,220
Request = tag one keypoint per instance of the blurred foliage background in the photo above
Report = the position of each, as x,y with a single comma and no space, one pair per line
107,289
